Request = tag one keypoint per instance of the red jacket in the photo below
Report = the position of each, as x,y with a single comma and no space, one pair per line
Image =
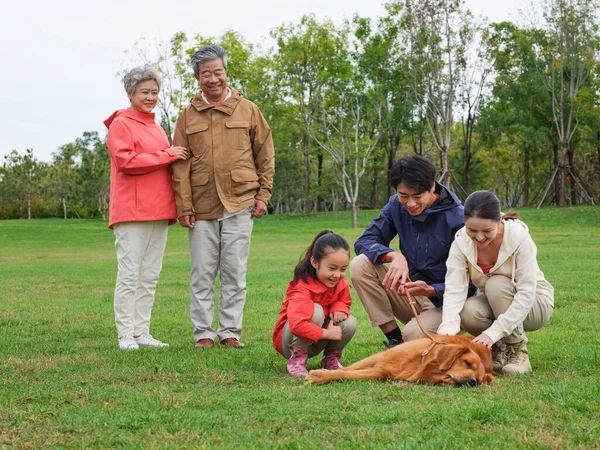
297,308
140,176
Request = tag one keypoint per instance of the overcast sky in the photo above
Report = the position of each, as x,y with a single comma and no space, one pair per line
60,58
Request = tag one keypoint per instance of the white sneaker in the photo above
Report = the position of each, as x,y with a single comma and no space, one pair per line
145,340
128,343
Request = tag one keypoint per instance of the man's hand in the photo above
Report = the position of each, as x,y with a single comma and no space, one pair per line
260,208
419,288
397,273
187,221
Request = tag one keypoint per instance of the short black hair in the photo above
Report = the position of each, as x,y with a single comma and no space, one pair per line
415,172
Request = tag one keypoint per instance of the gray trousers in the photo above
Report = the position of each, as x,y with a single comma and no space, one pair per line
348,327
221,246
383,306
481,310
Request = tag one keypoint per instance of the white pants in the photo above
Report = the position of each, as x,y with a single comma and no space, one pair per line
219,246
140,247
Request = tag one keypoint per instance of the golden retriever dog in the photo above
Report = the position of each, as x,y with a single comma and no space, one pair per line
454,361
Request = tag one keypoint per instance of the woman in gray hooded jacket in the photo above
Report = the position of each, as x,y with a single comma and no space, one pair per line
498,255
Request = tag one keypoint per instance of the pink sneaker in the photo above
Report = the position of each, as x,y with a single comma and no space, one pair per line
296,365
331,359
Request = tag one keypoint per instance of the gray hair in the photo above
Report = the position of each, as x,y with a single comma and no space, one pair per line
208,53
138,74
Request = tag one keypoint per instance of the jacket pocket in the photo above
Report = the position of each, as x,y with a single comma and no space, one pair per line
238,134
244,184
197,140
200,191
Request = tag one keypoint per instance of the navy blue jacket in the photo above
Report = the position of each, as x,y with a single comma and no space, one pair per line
424,239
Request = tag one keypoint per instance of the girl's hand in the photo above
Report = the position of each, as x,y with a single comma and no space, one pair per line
338,316
332,332
484,339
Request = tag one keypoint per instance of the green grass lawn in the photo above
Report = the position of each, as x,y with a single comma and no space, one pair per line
64,382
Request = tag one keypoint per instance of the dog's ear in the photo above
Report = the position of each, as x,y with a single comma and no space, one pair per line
444,355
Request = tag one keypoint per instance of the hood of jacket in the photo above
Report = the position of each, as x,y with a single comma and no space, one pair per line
130,114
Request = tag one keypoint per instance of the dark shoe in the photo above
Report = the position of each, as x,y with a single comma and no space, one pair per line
232,342
393,343
205,343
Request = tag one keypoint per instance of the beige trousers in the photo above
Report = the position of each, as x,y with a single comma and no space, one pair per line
140,247
481,310
224,246
348,327
384,306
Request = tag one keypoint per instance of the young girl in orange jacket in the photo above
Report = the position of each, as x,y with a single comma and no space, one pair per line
315,314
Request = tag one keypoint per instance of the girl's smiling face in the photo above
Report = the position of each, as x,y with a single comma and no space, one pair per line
482,231
332,268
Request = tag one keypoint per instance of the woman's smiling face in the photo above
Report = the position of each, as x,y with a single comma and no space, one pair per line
481,231
145,96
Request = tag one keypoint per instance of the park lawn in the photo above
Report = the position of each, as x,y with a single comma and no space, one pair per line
64,383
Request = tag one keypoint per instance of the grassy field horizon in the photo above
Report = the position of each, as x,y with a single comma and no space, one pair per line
65,384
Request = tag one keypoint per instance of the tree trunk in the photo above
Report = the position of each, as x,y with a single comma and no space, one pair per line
570,156
526,175
354,215
391,160
467,169
562,174
29,206
446,176
556,164
307,203
319,181
64,203
375,189
598,149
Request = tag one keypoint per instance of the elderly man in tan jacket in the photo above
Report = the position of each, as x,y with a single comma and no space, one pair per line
224,183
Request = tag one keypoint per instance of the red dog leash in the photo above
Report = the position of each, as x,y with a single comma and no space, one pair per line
434,341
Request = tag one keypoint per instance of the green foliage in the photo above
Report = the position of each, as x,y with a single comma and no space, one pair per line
65,384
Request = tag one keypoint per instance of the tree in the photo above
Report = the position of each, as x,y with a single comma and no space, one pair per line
21,179
438,35
307,57
569,59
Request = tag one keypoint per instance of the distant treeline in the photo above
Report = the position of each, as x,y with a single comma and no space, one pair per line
514,109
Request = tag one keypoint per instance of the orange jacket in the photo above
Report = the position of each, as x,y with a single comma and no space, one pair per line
140,176
297,308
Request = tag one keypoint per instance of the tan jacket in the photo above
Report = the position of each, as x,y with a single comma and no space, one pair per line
231,159
516,260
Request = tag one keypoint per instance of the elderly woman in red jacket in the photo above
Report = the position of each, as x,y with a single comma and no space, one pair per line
142,205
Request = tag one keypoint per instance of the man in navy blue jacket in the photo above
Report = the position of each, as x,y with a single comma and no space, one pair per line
425,215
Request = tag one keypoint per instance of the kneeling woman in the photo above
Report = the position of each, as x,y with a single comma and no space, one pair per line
498,255
315,314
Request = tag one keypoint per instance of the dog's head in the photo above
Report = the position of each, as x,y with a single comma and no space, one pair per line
460,364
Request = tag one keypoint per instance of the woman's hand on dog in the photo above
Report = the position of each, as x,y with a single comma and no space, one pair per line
483,339
332,332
